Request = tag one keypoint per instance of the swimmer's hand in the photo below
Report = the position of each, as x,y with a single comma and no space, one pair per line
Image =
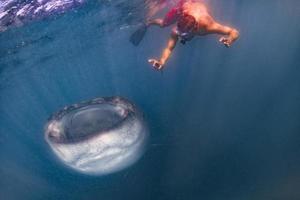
156,64
227,41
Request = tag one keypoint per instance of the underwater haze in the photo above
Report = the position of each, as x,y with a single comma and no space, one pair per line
224,122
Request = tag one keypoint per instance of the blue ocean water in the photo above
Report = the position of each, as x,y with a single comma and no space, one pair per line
224,123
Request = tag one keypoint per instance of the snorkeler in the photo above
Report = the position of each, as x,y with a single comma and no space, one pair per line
193,19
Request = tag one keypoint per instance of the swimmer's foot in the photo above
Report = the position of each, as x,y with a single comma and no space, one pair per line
138,35
156,64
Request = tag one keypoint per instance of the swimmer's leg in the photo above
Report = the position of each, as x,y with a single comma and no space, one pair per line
139,34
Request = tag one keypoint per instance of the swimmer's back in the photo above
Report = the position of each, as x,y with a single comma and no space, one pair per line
195,9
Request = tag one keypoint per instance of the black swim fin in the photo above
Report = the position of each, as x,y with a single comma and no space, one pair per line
138,35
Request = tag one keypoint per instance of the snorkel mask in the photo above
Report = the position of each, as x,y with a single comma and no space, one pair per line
184,37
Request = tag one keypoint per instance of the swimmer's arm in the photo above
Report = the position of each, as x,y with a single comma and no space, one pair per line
168,50
232,34
159,64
